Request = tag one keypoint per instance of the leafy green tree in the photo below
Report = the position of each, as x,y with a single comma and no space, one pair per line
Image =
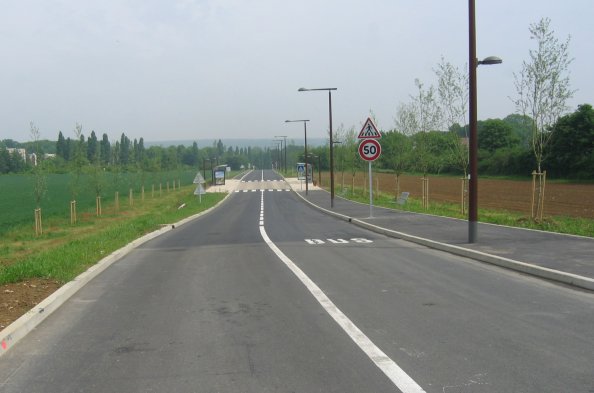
69,150
495,134
104,150
4,160
522,128
396,150
572,145
16,163
220,148
61,148
124,150
10,144
92,148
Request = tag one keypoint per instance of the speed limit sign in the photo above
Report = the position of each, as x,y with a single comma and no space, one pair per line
370,149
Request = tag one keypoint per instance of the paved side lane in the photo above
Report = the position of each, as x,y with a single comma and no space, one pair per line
534,252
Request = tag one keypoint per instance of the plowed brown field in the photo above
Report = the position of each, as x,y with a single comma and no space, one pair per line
576,200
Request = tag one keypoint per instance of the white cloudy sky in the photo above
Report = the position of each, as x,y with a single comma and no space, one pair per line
205,69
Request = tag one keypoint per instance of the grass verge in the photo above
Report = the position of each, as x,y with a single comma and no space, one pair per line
65,251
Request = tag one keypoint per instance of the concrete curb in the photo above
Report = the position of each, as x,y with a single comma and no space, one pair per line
17,330
523,267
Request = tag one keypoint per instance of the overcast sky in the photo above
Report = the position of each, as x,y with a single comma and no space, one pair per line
206,69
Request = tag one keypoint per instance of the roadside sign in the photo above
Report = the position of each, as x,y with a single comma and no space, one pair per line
300,170
369,131
199,179
199,190
370,149
302,173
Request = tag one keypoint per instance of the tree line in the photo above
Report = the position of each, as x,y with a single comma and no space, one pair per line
125,154
504,149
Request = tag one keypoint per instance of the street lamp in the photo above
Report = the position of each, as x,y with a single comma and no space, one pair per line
280,153
329,89
305,134
204,166
279,148
285,140
319,173
473,63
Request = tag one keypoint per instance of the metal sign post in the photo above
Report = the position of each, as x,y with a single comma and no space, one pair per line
370,150
370,192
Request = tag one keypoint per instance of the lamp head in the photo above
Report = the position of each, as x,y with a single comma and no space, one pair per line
490,60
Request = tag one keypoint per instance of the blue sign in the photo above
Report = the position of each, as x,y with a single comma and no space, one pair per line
301,171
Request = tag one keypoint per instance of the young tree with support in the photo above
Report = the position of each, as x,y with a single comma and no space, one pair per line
452,92
40,176
542,92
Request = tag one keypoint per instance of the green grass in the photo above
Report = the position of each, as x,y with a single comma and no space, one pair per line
17,202
65,251
559,224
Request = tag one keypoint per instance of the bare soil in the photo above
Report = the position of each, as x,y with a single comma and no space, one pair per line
561,199
16,299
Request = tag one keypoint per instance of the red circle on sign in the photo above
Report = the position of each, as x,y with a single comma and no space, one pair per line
370,149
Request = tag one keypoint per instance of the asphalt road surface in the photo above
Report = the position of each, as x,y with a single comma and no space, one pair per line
265,294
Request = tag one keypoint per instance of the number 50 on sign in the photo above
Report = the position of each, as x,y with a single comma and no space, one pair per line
370,149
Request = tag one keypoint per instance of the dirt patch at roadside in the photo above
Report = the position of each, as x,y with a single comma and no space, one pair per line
16,299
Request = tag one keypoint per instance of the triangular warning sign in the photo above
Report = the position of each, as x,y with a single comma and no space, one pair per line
369,131
198,179
199,190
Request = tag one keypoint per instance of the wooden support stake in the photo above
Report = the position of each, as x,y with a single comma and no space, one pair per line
98,206
73,212
425,197
38,224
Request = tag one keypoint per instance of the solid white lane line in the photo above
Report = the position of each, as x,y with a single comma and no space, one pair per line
398,377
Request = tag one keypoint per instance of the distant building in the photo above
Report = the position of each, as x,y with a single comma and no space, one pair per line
20,152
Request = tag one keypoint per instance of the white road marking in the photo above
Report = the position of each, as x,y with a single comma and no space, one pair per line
398,377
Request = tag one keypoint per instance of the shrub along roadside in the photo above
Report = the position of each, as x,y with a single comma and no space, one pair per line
70,251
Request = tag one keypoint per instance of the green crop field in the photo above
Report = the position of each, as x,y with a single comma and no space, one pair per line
17,202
